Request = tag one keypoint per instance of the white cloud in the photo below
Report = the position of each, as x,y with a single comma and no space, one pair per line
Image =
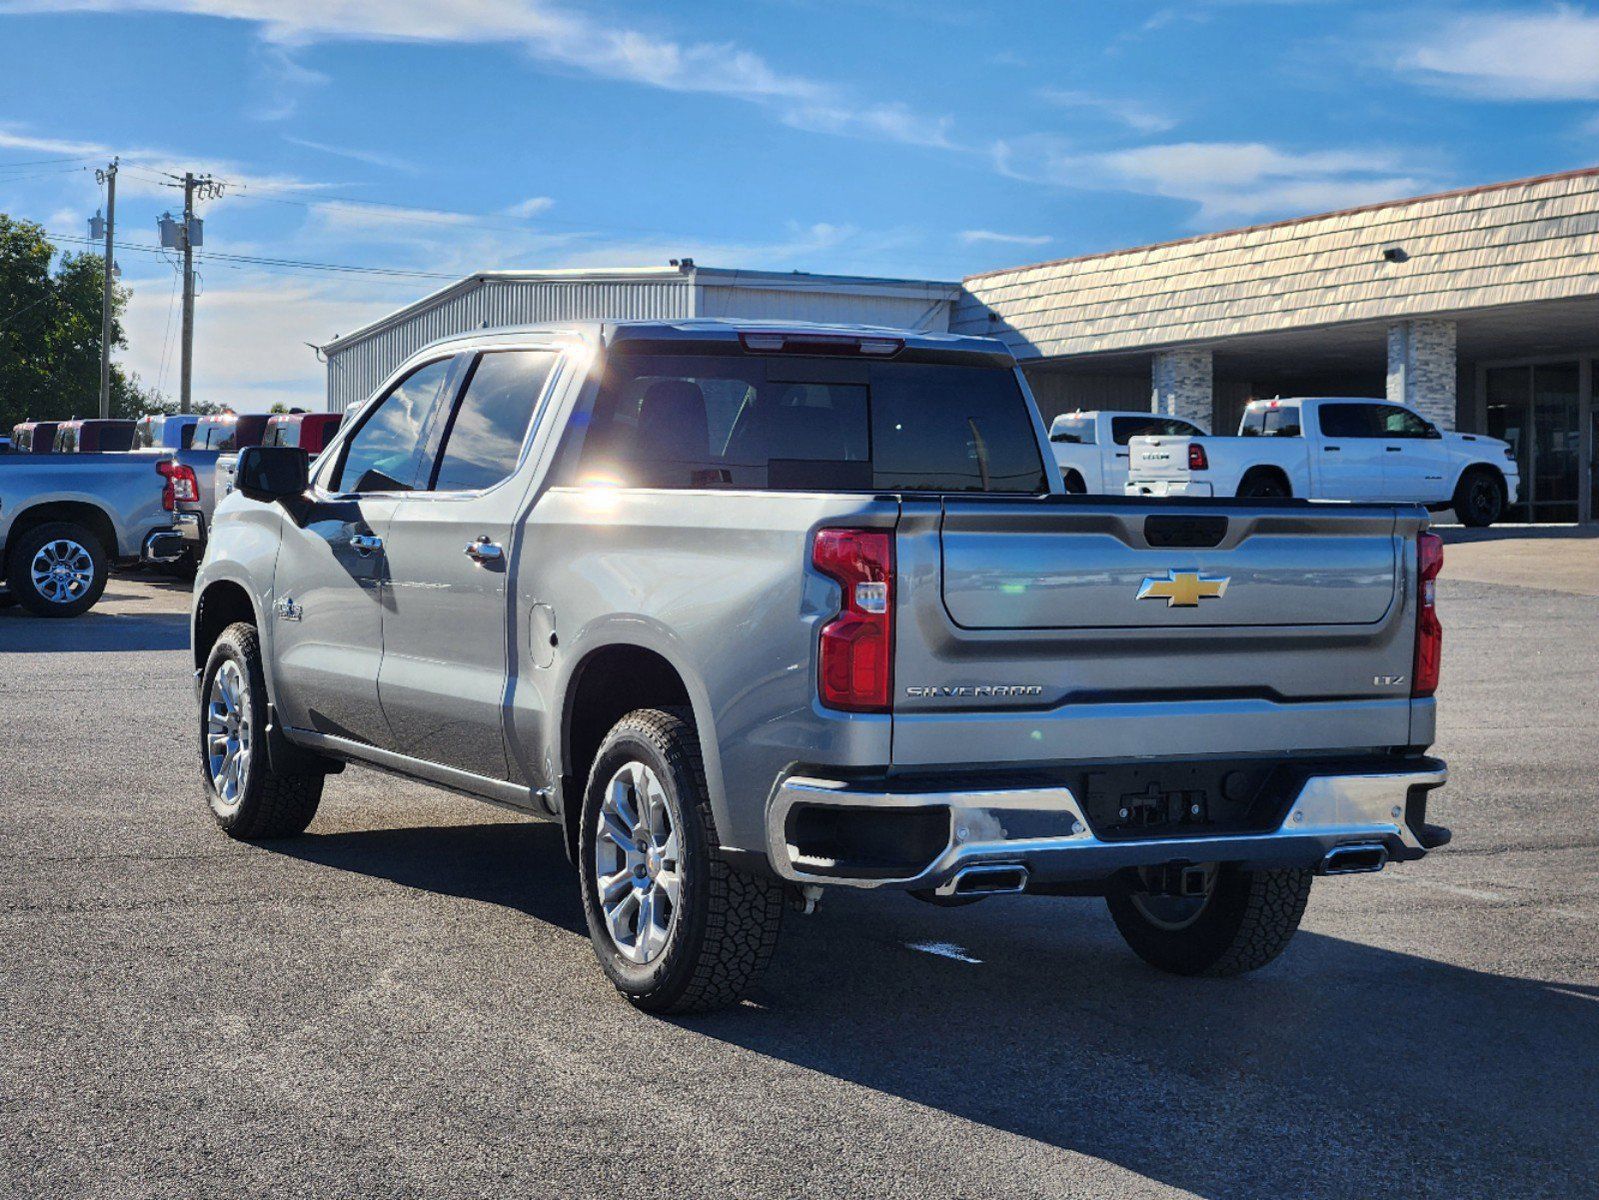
1227,181
558,36
531,207
371,158
1137,117
1547,55
974,237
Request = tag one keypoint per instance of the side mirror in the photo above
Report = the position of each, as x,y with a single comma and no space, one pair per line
269,473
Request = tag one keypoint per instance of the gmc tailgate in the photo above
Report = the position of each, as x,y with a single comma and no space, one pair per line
1070,629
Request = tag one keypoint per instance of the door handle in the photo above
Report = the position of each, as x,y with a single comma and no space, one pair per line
484,551
1394,449
1331,449
365,543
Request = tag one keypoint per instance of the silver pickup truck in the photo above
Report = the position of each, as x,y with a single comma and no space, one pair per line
756,611
66,519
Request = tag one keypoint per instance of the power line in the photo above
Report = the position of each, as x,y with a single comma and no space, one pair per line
41,162
267,261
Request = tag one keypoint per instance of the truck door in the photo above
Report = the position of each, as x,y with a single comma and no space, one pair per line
1349,461
1415,462
444,675
328,601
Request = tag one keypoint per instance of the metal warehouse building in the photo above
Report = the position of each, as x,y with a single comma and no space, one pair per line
359,362
1478,307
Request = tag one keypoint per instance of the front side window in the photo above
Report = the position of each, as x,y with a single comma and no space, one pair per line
392,450
485,437
783,423
1395,422
1125,429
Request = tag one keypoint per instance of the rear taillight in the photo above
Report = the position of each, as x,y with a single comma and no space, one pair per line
855,659
181,484
1429,633
1197,459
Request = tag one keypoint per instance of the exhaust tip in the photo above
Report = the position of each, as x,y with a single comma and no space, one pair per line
990,881
1359,859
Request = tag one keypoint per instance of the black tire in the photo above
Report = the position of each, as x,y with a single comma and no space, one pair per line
1074,484
263,803
76,550
1246,920
1263,486
1479,498
723,929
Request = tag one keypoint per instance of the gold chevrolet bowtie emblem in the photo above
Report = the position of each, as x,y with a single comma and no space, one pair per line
1183,589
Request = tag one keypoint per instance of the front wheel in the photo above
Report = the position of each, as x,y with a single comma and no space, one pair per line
676,928
248,798
1245,918
1479,499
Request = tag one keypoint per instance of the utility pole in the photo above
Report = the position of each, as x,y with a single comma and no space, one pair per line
107,307
188,292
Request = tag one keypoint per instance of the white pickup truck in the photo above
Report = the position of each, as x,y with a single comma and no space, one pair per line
1090,448
1334,448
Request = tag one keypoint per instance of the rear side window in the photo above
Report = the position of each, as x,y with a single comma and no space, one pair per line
485,437
1125,429
1077,431
1348,420
392,450
795,424
1270,422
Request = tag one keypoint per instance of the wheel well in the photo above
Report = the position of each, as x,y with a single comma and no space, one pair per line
607,685
220,605
1273,473
1477,467
79,512
1072,473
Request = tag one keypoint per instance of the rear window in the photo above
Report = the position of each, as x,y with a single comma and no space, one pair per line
1125,429
1270,422
785,423
282,433
216,435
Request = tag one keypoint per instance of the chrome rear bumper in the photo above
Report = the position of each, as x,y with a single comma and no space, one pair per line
1002,828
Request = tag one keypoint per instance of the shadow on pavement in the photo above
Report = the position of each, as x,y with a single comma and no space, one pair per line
93,632
1517,533
1343,1069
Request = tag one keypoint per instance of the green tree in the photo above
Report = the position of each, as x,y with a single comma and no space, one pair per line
50,334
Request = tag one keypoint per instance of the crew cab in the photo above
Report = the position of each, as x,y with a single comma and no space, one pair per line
195,470
1334,448
757,611
67,519
90,435
34,437
1091,447
168,431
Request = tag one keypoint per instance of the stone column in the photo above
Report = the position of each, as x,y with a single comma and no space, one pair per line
1421,368
1181,382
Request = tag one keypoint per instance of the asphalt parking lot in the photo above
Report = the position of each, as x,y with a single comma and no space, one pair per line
403,1002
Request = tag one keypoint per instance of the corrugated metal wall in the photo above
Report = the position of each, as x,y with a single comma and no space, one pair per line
803,302
356,371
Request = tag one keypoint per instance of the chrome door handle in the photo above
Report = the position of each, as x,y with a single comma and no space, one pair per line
484,551
365,543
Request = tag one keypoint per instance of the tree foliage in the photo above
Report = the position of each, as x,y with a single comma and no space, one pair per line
50,334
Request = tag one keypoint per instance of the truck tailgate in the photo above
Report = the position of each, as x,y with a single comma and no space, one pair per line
1163,457
1088,629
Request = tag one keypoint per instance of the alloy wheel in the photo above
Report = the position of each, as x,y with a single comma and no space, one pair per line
228,732
637,864
62,571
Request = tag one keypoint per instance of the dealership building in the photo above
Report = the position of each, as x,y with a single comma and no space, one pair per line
1478,307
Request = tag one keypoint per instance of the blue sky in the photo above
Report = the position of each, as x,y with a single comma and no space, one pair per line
923,138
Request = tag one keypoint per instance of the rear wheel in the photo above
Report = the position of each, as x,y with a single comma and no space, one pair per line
248,798
58,570
1479,498
1245,918
1263,486
675,927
